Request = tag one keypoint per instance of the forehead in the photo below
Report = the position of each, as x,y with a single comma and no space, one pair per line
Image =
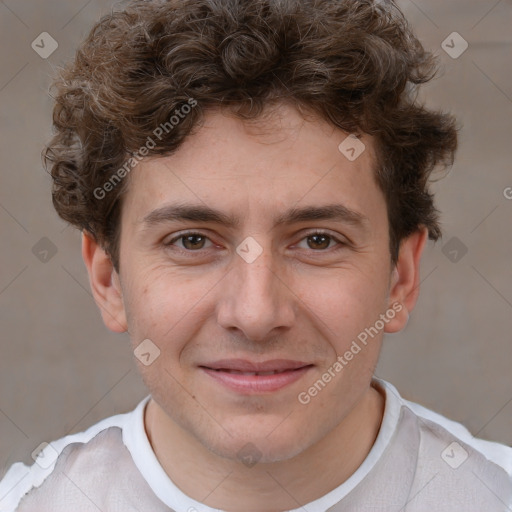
276,161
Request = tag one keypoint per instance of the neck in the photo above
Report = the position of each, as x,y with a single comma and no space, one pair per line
229,485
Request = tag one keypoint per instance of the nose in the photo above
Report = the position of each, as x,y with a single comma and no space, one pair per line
256,300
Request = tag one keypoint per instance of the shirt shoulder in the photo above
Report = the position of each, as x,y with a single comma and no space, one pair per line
422,461
456,470
497,453
86,471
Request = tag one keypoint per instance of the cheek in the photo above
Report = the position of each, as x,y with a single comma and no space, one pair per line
345,304
159,303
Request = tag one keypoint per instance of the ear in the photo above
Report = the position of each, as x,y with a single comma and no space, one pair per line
105,284
405,280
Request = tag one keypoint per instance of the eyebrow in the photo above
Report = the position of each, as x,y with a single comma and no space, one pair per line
202,213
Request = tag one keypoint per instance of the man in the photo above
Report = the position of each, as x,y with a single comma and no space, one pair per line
251,181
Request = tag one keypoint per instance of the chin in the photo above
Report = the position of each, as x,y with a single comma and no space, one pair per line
278,445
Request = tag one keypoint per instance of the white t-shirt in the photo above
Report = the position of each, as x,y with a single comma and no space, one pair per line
420,462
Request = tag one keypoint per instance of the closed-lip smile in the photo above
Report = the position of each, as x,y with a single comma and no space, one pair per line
251,377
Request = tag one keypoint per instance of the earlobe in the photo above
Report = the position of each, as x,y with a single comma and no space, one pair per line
104,282
405,279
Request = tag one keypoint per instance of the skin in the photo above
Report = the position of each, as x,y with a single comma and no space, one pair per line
303,298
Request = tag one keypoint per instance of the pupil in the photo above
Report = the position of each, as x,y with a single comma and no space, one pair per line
189,239
324,244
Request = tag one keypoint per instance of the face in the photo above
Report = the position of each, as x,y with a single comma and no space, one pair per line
254,249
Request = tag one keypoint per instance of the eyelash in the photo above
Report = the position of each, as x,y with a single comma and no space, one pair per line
340,244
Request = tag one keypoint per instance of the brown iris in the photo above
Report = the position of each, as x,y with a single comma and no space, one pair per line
321,241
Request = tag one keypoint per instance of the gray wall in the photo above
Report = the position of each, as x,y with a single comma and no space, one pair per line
61,370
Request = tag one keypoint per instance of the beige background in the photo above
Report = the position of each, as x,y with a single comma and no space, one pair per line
61,370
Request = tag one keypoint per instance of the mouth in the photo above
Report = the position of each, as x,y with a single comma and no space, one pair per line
249,377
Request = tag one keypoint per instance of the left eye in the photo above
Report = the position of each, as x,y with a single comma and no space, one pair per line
320,241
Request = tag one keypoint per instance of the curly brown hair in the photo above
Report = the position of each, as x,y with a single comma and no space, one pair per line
355,63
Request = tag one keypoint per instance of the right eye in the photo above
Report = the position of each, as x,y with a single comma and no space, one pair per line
190,241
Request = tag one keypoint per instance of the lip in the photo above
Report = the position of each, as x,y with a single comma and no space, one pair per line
249,377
